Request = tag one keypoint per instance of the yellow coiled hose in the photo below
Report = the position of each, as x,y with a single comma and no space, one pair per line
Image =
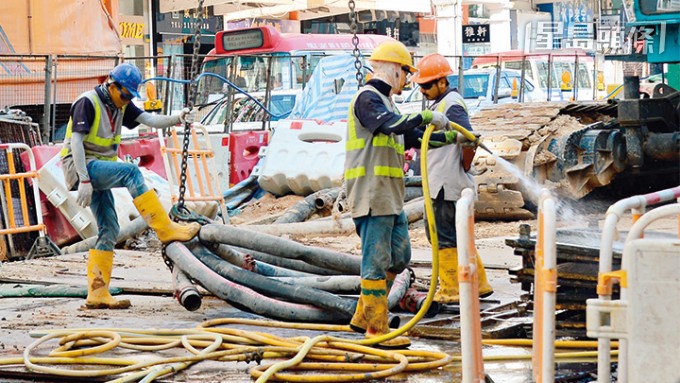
334,354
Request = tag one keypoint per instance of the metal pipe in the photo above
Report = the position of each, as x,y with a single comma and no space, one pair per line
185,292
134,228
414,211
46,133
663,146
631,87
285,263
326,200
413,301
337,284
343,308
304,209
248,262
242,297
232,235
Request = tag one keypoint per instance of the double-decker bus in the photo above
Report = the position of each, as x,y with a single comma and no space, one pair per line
250,56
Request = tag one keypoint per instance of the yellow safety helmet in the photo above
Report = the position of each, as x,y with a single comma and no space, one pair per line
394,52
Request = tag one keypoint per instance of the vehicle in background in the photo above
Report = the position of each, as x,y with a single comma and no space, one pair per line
564,80
246,114
648,84
249,56
478,91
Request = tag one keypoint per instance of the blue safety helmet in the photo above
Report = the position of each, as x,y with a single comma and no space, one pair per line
128,76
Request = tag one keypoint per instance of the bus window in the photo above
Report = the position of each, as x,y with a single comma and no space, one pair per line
247,52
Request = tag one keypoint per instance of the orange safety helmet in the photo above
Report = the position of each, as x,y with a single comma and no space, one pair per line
432,67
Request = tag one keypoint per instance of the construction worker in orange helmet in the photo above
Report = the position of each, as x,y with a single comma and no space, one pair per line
89,161
448,163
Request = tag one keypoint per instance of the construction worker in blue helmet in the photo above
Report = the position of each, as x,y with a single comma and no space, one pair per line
90,163
374,175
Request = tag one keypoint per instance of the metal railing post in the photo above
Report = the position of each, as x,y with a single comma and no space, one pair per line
46,120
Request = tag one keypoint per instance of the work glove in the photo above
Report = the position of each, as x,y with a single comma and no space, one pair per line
187,116
450,138
461,139
84,194
440,121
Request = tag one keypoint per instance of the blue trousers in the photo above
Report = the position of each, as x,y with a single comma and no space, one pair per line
445,220
105,175
385,245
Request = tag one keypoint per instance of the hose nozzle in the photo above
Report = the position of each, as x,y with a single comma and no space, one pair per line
470,136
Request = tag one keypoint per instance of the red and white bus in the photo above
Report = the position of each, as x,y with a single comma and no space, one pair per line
243,56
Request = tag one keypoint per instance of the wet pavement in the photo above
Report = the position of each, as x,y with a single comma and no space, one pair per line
149,282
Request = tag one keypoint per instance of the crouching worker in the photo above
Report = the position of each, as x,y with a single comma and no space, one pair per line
89,160
448,163
377,135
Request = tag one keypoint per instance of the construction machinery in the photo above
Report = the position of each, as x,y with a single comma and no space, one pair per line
631,145
627,147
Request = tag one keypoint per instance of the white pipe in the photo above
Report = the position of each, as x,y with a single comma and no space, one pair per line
470,346
612,217
636,232
549,297
652,215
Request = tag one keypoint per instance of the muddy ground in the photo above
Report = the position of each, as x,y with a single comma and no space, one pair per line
142,273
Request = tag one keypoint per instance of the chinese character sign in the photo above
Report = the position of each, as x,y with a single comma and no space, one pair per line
476,33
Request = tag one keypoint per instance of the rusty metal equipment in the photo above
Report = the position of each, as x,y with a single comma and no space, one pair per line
575,148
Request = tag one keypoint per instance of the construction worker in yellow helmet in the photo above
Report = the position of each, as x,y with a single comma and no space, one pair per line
89,161
374,170
448,164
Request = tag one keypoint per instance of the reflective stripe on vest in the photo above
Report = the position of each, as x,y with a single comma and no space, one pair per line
93,143
441,107
379,141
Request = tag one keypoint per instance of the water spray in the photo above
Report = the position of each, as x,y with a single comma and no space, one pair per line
470,136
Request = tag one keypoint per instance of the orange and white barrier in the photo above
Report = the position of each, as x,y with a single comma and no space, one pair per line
43,245
545,290
470,321
201,185
606,278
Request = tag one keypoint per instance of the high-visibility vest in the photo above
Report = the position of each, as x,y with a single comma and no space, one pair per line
445,164
104,137
374,166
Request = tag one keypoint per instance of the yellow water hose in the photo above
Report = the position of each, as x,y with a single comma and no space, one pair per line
208,342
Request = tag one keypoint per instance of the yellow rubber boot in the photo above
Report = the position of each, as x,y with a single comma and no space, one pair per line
99,266
359,321
447,293
150,208
485,288
374,294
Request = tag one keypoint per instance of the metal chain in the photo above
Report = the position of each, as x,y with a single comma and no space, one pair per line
353,27
193,90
